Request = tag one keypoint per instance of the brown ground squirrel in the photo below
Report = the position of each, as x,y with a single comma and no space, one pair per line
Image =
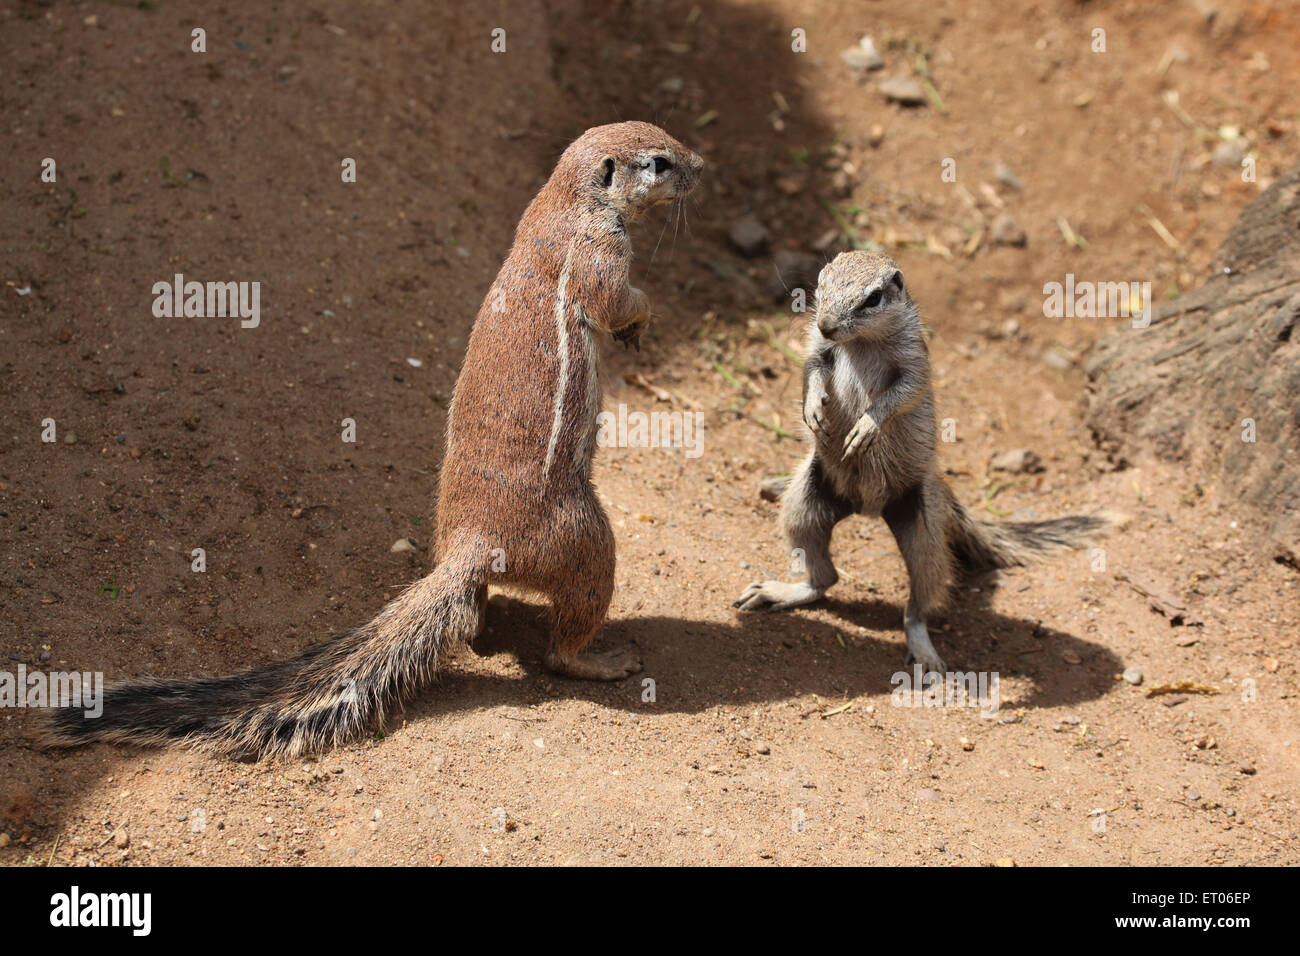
516,505
869,404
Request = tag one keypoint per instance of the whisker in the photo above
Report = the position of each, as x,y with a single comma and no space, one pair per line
677,207
661,239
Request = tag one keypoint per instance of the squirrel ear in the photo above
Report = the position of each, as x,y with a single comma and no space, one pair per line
608,163
897,280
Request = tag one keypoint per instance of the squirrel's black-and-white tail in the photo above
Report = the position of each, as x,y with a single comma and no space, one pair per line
985,545
330,695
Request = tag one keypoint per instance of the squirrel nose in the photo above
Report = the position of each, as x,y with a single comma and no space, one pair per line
827,325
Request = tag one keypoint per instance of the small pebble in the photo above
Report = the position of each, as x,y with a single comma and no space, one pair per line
1229,153
1018,461
904,91
1005,231
1003,174
1057,359
1133,676
863,57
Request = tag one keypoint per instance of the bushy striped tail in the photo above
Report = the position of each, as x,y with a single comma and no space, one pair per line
332,694
985,545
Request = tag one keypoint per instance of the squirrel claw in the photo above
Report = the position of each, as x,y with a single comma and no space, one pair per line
862,436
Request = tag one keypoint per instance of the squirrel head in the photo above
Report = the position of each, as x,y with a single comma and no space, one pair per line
629,167
861,295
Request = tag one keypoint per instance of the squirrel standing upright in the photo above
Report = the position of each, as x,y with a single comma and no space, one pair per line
516,504
868,401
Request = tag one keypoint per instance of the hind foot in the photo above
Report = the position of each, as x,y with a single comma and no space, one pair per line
919,649
607,665
929,661
777,595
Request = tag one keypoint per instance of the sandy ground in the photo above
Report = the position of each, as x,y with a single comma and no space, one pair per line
768,739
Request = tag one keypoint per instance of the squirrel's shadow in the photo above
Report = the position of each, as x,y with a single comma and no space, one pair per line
766,656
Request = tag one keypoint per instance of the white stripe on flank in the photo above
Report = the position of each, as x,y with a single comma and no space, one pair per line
561,386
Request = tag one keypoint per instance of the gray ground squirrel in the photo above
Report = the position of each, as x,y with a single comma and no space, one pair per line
869,404
516,505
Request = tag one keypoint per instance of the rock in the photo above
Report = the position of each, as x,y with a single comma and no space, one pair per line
967,745
876,136
121,839
1133,676
749,237
1247,769
402,544
1155,390
1018,462
1229,153
863,57
927,794
1004,861
69,438
767,749
792,270
4,840
1005,231
904,91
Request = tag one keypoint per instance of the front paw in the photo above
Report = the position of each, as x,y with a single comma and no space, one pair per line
630,334
864,433
815,416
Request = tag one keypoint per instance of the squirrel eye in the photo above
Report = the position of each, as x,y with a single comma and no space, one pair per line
873,300
662,165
